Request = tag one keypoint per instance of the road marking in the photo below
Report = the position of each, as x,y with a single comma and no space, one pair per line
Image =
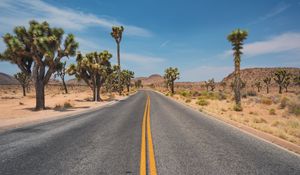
143,144
146,129
152,164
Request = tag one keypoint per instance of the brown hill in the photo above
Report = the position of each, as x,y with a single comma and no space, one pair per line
74,81
251,75
155,79
7,79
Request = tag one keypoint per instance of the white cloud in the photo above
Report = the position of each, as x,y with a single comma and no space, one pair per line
280,8
21,11
205,72
164,43
141,59
287,42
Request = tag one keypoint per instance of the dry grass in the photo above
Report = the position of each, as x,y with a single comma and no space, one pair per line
273,113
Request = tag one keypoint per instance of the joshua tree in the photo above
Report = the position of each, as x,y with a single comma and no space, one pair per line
236,38
287,82
138,83
40,46
117,35
280,77
297,79
223,85
24,80
127,76
171,74
206,85
267,81
258,86
94,69
61,72
212,84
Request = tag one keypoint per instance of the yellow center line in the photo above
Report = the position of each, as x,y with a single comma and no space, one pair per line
143,145
146,127
152,164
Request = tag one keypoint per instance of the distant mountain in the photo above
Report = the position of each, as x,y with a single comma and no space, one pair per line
6,79
152,79
251,75
74,81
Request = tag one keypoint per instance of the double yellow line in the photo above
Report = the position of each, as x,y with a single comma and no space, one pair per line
146,132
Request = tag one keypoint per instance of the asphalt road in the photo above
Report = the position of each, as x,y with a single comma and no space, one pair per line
108,141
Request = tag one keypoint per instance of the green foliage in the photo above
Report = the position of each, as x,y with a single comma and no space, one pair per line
126,76
138,84
267,81
93,68
171,74
212,84
237,108
281,78
24,79
42,45
272,111
202,102
117,32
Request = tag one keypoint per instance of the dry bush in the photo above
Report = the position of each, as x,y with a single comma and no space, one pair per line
251,93
272,112
188,100
259,120
266,101
202,102
294,108
283,102
237,108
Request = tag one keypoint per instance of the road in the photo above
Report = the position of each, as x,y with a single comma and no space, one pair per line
110,141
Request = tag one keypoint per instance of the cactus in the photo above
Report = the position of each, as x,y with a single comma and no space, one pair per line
236,38
171,74
42,45
280,77
93,68
212,84
127,75
117,35
24,80
258,86
267,81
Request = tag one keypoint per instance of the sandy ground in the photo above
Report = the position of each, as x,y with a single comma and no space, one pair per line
17,110
256,113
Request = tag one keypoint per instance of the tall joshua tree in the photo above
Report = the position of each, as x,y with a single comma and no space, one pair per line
38,50
117,35
61,72
24,80
237,38
297,79
258,85
287,82
267,81
93,68
280,77
127,76
171,74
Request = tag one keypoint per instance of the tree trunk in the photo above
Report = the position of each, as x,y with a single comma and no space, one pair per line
24,90
267,89
65,86
280,89
237,84
286,89
39,87
119,69
128,88
172,87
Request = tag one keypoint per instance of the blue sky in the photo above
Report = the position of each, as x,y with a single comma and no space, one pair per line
190,35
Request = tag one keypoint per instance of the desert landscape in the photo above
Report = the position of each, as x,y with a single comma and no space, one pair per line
273,113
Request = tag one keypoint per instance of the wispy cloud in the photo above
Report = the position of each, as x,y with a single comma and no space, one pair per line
21,11
280,8
142,59
164,44
286,42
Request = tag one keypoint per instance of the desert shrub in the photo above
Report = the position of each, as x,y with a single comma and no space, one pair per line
251,93
266,101
167,94
222,96
237,108
276,123
259,120
272,112
195,94
20,103
283,102
57,107
188,100
244,95
294,108
200,110
67,105
293,124
202,102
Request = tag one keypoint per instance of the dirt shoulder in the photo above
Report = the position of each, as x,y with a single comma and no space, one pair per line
254,130
17,111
